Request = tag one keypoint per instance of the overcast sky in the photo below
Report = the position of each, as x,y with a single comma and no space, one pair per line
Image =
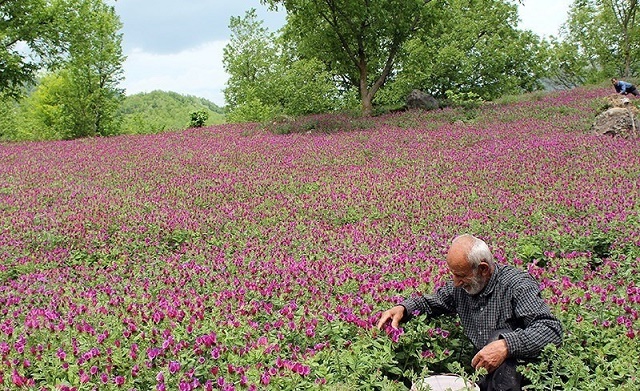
177,45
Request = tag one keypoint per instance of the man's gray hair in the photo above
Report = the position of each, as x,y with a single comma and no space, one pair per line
479,251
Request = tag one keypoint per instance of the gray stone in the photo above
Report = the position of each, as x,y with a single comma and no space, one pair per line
618,121
421,100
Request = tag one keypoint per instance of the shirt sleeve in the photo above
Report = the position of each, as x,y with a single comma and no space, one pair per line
625,87
540,326
439,303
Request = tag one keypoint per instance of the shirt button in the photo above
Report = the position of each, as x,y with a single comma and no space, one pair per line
481,308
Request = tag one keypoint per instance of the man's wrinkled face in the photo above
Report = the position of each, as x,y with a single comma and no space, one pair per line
468,279
472,280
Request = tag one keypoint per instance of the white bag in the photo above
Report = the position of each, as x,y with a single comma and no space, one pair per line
444,383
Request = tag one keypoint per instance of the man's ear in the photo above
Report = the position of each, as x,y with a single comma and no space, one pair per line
484,268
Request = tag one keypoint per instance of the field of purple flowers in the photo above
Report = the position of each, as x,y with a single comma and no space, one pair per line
231,258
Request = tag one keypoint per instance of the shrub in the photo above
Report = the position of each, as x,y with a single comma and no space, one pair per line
199,118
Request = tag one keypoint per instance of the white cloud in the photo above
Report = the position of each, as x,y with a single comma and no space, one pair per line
197,71
543,17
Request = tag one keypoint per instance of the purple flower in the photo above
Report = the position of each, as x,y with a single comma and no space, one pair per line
174,367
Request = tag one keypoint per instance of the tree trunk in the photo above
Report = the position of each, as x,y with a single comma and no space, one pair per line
365,96
367,105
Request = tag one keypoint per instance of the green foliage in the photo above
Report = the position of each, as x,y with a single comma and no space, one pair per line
266,82
253,110
467,100
81,97
359,41
591,357
199,118
304,87
42,115
540,248
600,40
93,69
472,47
8,119
531,250
38,24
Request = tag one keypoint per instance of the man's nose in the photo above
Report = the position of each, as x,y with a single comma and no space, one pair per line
457,281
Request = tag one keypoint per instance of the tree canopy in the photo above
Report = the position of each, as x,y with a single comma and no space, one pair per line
31,36
352,48
600,40
358,40
472,47
268,78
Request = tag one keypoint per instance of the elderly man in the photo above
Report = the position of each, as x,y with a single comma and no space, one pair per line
500,309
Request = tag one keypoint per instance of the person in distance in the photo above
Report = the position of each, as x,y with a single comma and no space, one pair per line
624,88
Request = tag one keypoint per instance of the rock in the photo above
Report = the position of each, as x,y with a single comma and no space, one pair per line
421,100
617,100
618,121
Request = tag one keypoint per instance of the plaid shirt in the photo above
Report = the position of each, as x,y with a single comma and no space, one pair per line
511,300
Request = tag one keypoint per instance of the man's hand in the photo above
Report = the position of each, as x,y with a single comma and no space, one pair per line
395,314
491,356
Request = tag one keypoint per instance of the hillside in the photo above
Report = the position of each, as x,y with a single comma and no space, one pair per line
233,258
157,111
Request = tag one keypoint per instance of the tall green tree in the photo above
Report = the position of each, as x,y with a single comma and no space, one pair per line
249,59
358,39
31,36
600,39
94,69
624,19
268,79
83,93
472,47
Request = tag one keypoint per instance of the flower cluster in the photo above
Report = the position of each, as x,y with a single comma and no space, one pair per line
230,258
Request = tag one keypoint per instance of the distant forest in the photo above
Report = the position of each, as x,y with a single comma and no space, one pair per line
159,111
142,113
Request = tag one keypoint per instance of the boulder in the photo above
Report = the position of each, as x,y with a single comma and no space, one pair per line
421,100
618,121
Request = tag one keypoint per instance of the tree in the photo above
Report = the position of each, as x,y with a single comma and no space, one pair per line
79,94
599,40
199,118
359,40
42,115
267,79
248,58
94,68
624,17
472,47
30,38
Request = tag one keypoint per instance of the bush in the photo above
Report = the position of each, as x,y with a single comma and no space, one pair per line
199,118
